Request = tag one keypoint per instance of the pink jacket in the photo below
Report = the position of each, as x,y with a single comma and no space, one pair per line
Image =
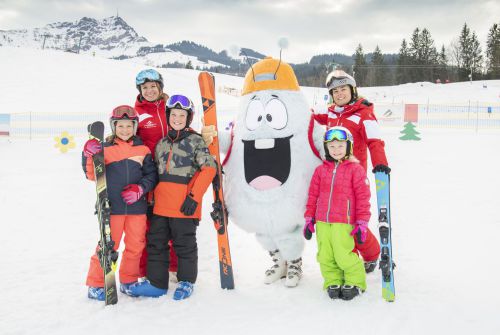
339,193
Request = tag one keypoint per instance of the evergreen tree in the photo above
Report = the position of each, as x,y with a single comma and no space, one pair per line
377,75
476,57
428,55
415,56
442,60
360,66
189,65
465,53
404,60
493,52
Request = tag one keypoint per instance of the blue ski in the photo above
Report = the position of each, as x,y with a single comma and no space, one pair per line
386,263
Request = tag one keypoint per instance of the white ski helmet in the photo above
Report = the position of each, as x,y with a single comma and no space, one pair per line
338,78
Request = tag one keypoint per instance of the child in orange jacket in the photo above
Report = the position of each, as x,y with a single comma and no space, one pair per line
185,169
130,174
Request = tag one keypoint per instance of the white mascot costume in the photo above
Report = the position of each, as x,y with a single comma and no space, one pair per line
269,165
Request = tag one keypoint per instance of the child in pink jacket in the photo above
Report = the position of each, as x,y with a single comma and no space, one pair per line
339,206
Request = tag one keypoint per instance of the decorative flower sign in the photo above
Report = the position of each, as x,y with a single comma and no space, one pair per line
64,142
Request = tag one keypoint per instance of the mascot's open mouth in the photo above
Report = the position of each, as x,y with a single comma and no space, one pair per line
267,162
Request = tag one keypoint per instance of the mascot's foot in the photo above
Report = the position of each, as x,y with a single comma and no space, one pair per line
294,273
278,270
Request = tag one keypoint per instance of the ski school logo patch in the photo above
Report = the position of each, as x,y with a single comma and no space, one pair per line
150,124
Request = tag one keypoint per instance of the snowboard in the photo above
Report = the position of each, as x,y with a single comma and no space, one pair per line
219,214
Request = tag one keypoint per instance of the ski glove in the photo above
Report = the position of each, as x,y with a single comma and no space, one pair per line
131,193
189,206
91,148
360,231
382,168
309,228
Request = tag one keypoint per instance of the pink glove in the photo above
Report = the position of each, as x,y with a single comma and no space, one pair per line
91,148
360,230
131,193
308,228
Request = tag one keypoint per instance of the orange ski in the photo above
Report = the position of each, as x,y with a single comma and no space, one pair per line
219,213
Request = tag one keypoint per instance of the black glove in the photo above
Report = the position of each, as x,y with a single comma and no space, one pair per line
382,168
189,206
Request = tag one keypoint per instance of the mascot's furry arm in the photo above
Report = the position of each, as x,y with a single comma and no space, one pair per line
315,134
225,139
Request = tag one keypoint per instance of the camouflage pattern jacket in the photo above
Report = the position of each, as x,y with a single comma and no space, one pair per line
185,167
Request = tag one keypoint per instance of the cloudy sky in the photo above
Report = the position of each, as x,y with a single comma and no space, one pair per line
311,26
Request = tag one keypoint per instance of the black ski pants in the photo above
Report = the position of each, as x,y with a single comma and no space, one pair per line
182,232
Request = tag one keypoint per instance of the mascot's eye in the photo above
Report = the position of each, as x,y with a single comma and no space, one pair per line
276,114
255,112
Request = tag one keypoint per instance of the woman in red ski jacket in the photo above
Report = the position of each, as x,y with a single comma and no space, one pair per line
153,126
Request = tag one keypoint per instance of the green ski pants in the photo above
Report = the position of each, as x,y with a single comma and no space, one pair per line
338,263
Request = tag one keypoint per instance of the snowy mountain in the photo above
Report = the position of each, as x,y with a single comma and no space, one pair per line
113,38
85,35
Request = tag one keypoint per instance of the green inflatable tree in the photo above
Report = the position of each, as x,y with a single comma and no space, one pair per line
409,133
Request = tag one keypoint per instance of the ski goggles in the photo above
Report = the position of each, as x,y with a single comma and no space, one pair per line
124,111
335,134
147,75
176,101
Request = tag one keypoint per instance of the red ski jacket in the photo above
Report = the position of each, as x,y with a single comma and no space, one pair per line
360,119
339,193
153,124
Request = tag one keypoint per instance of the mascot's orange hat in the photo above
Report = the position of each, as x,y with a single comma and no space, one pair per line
270,74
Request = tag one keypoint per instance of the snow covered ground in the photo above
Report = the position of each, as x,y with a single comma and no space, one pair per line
445,220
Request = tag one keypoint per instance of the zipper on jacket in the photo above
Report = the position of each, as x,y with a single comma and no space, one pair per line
331,193
128,181
348,211
159,118
170,153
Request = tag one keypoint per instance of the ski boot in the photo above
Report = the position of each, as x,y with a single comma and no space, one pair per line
96,293
333,291
146,289
348,292
183,290
294,272
370,266
278,270
125,288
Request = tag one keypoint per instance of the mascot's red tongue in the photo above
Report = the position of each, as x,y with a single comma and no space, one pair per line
263,183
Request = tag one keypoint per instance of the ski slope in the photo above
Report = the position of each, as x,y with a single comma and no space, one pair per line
444,213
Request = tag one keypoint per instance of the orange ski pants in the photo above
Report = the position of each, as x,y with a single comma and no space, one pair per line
134,227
